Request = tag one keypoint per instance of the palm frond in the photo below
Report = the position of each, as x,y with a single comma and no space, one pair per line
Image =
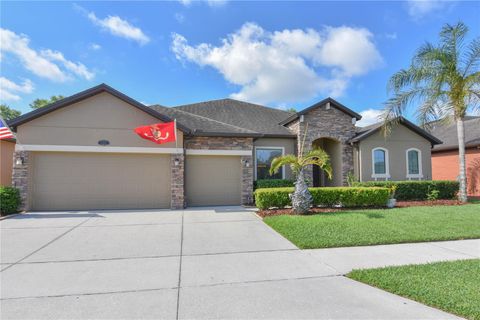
281,161
471,57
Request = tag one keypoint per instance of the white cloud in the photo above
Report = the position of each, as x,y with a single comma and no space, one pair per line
77,68
286,66
369,116
18,45
119,27
95,46
418,9
9,90
41,63
211,3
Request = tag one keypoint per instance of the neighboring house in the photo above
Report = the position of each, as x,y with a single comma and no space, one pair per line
81,152
7,147
445,156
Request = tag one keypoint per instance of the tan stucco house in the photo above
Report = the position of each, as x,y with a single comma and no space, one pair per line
81,152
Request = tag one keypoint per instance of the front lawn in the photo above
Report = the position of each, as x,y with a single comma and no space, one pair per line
379,226
450,286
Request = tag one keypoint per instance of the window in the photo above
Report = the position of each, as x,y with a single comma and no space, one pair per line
263,159
414,163
380,163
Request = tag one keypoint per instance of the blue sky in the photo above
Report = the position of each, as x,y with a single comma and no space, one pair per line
281,54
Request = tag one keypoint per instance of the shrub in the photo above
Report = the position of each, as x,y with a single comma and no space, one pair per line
272,183
416,190
327,197
9,200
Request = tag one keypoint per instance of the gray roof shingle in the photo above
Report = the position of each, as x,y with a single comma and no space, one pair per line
448,133
201,125
241,114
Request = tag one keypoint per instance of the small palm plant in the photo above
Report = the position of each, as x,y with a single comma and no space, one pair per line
301,197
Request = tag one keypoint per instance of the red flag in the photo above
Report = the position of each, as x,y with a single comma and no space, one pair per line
158,133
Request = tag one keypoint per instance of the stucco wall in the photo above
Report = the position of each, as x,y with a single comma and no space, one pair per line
289,146
6,162
101,117
397,143
445,167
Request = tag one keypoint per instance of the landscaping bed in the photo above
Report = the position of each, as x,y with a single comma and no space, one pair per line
360,227
451,286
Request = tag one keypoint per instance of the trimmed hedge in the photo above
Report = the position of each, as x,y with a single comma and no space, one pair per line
416,190
272,183
325,196
9,200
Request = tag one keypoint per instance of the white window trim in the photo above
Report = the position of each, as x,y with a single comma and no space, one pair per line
385,175
255,158
420,172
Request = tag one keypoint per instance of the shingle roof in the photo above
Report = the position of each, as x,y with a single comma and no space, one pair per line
248,116
364,132
200,125
448,134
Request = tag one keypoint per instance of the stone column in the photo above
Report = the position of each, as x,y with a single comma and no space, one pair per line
247,179
20,177
347,161
177,181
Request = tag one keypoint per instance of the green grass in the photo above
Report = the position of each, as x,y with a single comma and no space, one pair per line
451,286
379,226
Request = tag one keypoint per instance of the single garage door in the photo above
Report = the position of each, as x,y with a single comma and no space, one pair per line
81,181
213,180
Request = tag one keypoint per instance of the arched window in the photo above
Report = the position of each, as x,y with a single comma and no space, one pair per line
414,163
380,166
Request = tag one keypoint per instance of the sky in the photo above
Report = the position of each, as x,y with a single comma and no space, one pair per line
279,54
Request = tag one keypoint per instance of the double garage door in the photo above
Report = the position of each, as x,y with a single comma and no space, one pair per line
83,181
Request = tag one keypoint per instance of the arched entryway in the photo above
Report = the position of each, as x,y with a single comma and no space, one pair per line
334,149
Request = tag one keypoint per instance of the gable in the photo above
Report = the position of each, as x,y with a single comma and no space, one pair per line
399,132
99,117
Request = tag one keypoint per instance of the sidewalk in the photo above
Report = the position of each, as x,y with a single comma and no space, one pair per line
346,259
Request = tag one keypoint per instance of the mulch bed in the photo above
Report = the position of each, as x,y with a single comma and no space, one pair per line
404,204
400,204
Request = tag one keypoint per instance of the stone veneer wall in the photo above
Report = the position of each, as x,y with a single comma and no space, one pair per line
323,123
20,177
230,143
219,143
177,200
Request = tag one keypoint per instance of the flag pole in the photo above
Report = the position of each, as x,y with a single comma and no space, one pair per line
175,131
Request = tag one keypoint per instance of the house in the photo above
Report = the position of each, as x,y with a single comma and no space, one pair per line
80,153
445,156
7,147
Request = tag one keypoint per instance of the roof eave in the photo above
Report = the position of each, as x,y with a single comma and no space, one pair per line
84,95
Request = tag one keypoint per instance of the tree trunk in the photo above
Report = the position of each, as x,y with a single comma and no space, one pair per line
301,197
462,193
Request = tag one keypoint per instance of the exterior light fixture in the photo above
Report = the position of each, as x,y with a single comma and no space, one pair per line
19,161
176,161
247,163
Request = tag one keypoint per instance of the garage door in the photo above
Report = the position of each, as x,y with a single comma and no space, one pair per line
213,180
80,181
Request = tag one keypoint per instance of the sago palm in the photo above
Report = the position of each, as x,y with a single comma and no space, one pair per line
442,82
301,197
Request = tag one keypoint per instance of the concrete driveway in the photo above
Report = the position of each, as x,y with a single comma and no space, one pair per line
202,263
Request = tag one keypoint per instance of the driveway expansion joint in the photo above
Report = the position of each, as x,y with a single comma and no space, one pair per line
45,245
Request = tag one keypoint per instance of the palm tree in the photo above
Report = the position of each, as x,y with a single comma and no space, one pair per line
301,197
442,80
